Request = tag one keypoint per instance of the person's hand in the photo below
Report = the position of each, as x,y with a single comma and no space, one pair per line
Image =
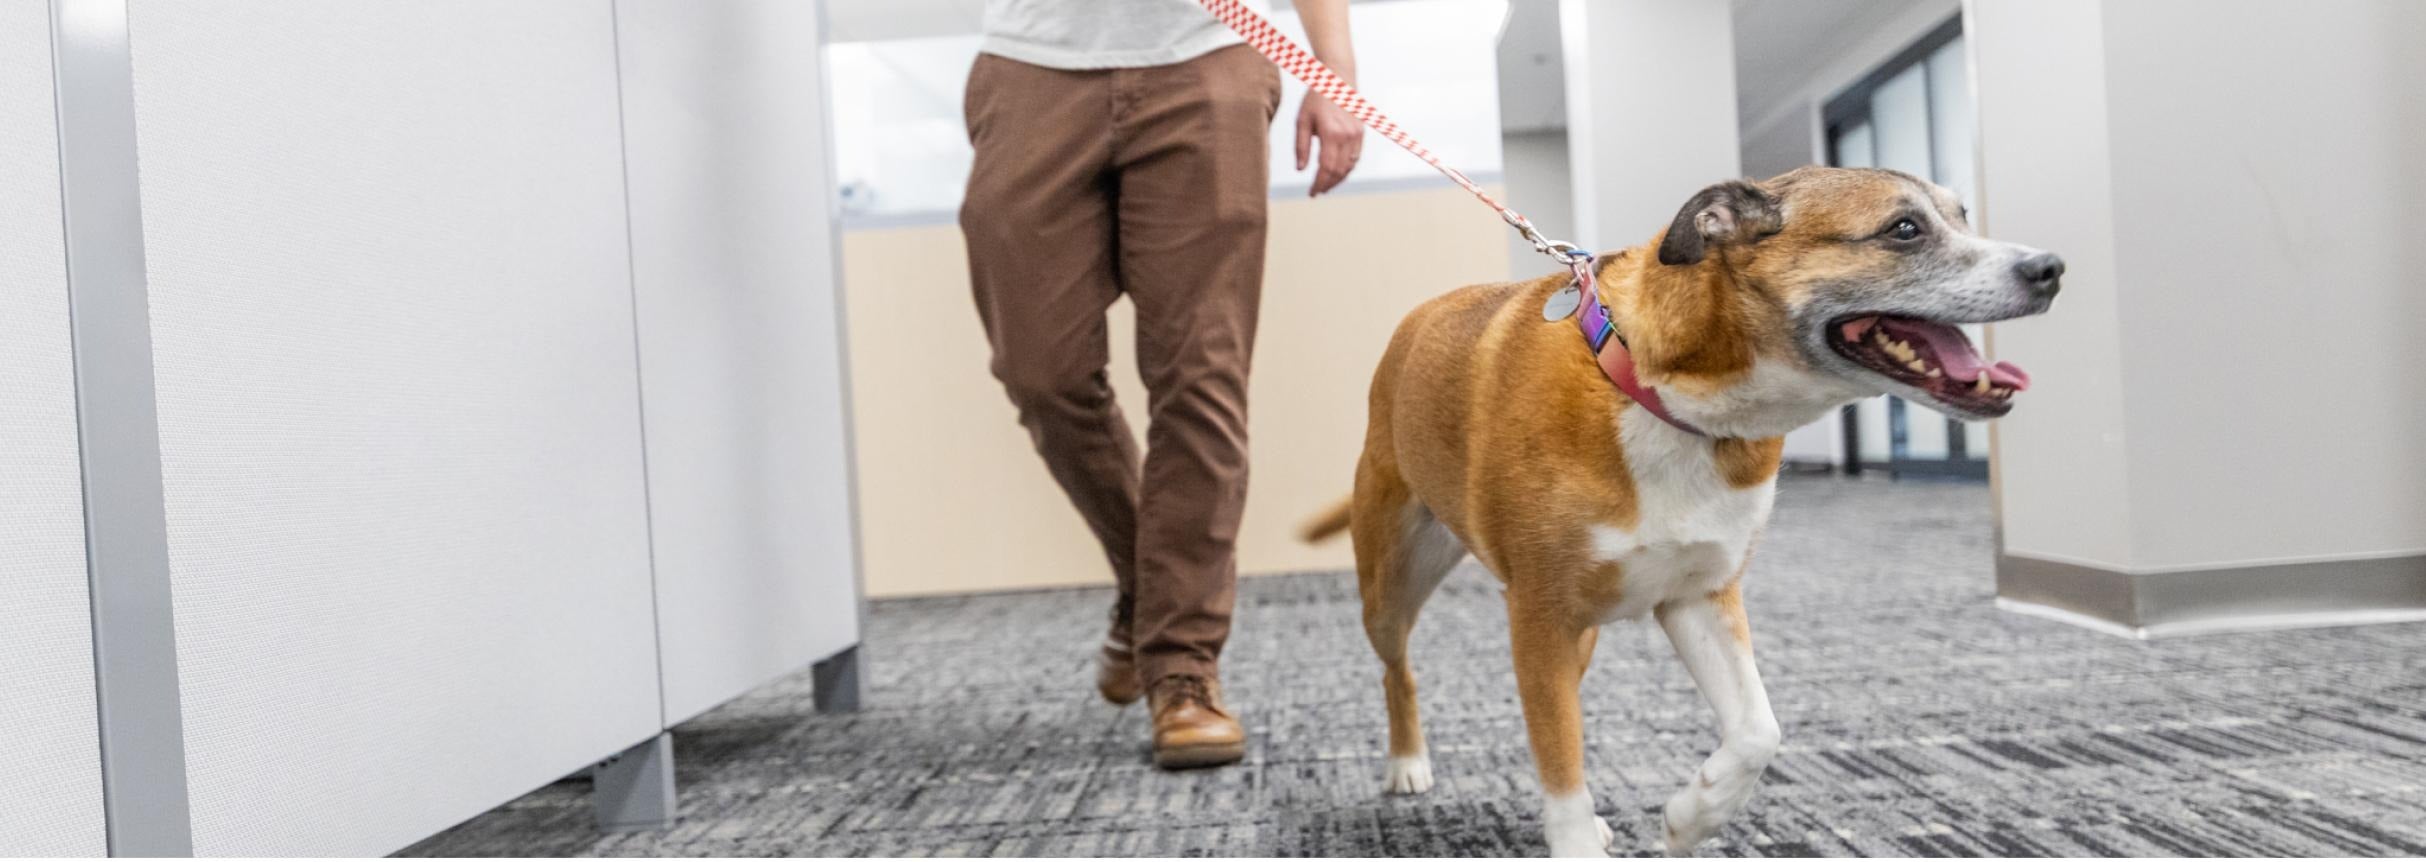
1343,140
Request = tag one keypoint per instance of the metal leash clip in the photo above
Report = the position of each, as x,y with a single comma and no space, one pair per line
1562,303
1566,252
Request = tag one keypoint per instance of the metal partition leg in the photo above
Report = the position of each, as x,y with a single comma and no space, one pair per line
837,682
635,789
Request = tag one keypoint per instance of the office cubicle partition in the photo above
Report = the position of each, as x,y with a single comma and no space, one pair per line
500,418
730,182
50,761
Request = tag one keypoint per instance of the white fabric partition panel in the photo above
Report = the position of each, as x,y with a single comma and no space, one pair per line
399,410
50,759
733,276
496,358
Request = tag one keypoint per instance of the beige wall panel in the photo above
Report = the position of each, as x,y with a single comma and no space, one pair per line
953,499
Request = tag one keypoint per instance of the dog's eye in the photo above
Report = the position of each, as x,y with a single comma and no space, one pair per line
1903,230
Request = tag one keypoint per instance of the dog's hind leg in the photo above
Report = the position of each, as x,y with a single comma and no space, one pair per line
1402,553
1715,641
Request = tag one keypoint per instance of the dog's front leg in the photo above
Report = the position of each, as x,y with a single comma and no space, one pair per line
1715,641
1551,651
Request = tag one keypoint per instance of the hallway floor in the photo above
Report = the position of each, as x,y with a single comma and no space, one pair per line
1919,720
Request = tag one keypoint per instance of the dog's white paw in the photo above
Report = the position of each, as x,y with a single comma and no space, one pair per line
1580,848
1574,832
1679,831
1409,774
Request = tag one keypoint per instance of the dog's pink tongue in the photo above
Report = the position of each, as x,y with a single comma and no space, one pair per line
2009,374
1953,352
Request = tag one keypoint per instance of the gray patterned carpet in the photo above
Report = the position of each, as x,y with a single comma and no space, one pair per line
1919,721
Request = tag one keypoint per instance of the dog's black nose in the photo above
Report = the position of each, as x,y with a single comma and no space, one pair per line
2042,274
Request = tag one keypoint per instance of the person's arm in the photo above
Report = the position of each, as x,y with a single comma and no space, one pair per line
1343,138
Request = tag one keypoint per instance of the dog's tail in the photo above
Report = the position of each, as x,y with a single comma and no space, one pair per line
1330,522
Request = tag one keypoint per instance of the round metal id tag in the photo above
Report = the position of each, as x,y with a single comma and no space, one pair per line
1562,305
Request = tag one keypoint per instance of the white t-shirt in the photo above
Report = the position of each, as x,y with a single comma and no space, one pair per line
1105,34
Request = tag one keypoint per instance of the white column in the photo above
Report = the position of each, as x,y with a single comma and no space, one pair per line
2223,426
1650,111
2043,141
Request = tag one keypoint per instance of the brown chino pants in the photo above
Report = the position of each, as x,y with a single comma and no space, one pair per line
1147,182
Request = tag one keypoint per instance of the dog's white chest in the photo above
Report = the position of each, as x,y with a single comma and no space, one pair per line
1694,530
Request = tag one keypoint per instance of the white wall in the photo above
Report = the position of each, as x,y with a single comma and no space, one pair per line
50,762
2229,376
399,412
1781,147
734,276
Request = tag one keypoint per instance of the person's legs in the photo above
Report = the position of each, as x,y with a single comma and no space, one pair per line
1192,158
1038,220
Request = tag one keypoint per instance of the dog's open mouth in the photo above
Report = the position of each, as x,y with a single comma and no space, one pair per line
1933,357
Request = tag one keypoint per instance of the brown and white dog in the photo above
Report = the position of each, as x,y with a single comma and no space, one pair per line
1760,309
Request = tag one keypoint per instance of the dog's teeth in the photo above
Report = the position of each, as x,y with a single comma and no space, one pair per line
1982,386
1917,365
1934,373
2002,392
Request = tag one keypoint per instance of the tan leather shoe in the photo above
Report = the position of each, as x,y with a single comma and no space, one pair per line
1191,729
1116,675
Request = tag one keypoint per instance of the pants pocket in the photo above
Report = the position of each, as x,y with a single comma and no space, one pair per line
971,95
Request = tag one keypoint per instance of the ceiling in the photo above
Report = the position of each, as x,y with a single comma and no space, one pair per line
870,20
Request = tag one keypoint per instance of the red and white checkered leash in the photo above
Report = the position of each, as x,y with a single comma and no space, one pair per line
1299,62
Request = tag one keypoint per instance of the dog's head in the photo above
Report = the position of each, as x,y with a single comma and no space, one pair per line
1848,281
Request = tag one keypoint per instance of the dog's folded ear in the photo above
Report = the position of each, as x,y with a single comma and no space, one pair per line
1731,211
